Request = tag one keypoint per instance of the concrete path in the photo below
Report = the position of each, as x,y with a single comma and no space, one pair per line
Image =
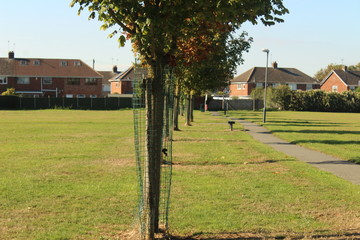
343,169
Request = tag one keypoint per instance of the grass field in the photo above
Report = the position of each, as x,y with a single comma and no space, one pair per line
337,134
71,175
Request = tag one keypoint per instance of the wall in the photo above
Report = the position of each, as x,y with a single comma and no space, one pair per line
334,80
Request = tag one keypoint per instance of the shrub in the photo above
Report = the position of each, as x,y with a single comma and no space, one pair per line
9,92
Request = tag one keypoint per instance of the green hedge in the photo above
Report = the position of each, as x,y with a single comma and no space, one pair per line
315,100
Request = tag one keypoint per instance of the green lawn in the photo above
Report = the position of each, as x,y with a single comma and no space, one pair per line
337,134
71,175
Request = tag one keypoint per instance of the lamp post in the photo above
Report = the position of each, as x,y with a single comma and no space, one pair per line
266,75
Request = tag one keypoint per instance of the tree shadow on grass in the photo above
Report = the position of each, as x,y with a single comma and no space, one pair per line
330,142
317,131
250,236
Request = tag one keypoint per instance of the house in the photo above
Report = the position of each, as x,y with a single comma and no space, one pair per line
243,84
341,80
41,77
107,75
123,83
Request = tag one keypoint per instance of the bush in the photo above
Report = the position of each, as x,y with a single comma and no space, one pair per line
9,92
316,100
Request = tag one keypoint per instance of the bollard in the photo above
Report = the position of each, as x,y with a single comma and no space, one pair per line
231,123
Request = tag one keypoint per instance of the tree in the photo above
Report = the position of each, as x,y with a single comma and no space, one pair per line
155,27
322,73
9,92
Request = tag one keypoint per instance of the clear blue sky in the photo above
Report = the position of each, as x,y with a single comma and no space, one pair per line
314,34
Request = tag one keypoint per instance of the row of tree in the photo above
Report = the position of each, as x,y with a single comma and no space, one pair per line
195,37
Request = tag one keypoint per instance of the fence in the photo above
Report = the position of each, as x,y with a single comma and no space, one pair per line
236,104
111,103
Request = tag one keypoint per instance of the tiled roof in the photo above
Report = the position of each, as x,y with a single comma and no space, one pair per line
123,76
349,77
46,68
107,75
275,75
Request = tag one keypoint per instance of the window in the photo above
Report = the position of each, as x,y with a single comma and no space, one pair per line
69,96
23,80
292,86
63,63
73,81
309,87
77,64
3,80
93,96
23,62
240,86
36,62
259,85
47,80
80,96
334,88
91,81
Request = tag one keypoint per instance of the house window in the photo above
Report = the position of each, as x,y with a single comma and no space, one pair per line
73,81
23,62
292,86
91,81
259,85
36,62
80,96
240,86
47,80
77,64
69,95
309,87
23,80
63,63
3,80
334,88
93,96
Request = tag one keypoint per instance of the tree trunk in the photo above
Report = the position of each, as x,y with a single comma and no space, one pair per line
176,108
154,132
188,110
192,104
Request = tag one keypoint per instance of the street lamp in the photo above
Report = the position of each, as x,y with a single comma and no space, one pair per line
266,75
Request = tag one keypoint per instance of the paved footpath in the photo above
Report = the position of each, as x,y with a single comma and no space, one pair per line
343,169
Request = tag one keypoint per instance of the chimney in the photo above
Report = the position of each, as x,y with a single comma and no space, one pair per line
275,65
115,70
345,68
11,55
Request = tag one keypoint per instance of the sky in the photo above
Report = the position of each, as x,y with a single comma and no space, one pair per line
315,33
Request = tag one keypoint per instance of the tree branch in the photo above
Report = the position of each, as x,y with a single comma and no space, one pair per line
118,21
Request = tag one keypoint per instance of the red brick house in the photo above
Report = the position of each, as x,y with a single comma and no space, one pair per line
49,77
341,80
123,83
107,75
243,84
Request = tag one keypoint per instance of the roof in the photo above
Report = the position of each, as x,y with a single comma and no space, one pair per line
348,77
275,75
107,75
126,75
31,67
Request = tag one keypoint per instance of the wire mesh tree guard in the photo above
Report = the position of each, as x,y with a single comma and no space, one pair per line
142,88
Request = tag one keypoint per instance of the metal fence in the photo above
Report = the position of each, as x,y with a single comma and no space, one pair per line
111,103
